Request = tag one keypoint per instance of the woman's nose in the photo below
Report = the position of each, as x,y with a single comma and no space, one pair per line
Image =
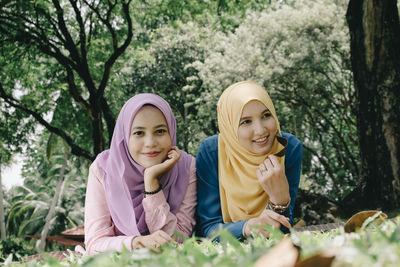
150,141
259,128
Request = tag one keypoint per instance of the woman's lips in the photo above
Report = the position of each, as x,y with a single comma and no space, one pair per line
152,154
261,141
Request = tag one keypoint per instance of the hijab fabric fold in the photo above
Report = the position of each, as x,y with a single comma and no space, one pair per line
241,194
123,177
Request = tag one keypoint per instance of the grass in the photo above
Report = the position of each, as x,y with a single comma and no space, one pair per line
372,245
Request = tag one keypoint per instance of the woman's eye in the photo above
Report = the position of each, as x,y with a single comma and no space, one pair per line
244,122
267,115
138,133
160,131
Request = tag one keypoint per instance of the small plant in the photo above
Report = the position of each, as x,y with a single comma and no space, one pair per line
371,245
18,247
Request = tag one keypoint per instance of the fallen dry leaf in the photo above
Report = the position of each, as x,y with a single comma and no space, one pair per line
300,223
284,254
323,259
357,220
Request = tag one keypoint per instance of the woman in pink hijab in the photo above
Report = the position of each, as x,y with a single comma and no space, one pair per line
142,189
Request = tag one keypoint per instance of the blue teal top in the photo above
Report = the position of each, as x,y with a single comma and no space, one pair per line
209,205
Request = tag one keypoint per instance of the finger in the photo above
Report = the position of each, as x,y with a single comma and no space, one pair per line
172,154
141,244
162,237
284,221
274,160
279,218
268,164
152,245
136,243
155,249
165,237
160,240
262,168
265,233
175,149
177,152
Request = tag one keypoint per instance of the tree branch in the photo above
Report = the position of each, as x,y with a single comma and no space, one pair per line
75,149
82,33
117,52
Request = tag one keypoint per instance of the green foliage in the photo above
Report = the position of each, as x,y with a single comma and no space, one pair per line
18,247
29,204
188,52
375,245
169,74
223,15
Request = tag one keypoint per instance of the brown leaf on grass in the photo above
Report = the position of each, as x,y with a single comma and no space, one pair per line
323,259
357,220
284,254
300,223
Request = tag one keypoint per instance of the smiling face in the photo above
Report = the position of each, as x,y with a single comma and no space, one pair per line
257,128
149,140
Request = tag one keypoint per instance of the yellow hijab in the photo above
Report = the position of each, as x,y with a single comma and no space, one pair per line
242,196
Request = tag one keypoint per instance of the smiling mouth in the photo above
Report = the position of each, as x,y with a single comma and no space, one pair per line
152,154
261,141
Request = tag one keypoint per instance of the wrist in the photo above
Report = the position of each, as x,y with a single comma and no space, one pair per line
246,227
134,242
150,184
155,191
279,208
280,200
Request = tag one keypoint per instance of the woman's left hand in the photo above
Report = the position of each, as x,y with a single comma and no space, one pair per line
267,217
272,178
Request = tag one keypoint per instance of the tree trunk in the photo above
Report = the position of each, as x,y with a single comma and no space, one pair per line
2,222
375,58
42,243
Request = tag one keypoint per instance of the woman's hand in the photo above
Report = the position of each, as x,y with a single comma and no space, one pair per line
152,241
151,173
266,217
272,178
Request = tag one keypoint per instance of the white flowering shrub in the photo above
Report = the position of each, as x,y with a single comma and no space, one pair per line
300,53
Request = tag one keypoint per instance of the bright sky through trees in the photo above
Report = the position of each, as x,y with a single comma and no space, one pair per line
12,175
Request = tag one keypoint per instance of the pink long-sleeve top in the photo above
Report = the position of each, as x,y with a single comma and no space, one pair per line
100,232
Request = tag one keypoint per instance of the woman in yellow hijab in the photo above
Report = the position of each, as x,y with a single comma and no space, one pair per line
248,174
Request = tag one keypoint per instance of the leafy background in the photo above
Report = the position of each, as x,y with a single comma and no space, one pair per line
188,52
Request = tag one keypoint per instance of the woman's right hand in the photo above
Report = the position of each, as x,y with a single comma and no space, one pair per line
266,217
152,241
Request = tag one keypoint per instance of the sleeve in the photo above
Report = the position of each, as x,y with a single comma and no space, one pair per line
209,205
159,217
293,161
99,229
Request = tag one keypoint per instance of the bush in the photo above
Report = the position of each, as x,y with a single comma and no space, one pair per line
16,246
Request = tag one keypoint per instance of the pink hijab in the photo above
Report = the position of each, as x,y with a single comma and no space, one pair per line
123,177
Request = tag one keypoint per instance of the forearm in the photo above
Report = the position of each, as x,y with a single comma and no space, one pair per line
103,242
236,229
99,229
159,217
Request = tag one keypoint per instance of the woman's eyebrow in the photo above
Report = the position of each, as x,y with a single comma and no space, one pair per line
138,128
161,125
143,128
